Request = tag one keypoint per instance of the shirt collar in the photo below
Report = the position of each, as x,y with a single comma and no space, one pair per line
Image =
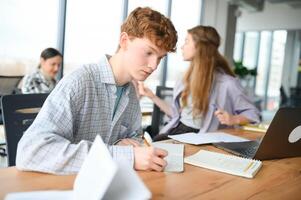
106,73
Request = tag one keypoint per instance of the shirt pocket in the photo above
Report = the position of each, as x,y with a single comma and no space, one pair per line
123,131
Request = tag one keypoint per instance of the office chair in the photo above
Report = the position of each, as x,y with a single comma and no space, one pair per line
284,99
295,97
18,112
2,149
8,85
159,119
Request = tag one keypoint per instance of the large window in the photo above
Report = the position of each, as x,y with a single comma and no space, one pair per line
26,28
250,49
275,73
92,29
263,62
160,6
185,15
265,50
238,46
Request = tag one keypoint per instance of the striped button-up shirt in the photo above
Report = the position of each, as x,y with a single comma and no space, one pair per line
79,108
37,83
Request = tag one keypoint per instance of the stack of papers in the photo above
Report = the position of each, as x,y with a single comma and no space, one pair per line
206,138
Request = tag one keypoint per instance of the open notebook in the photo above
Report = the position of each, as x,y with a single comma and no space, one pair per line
175,157
225,163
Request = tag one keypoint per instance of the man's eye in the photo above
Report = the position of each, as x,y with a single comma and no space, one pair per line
149,53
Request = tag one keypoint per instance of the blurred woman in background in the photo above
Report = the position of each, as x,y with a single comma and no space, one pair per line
43,80
208,97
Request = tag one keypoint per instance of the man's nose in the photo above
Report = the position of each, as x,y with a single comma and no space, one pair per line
154,64
56,68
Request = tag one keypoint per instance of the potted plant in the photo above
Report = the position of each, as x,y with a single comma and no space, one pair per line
245,75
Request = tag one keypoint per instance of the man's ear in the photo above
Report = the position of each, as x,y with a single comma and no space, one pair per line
123,41
42,61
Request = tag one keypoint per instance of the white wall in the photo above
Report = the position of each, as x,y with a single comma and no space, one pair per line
273,17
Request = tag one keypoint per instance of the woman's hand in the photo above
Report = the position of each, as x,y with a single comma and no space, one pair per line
145,91
226,118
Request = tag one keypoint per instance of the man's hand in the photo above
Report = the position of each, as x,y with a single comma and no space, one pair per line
128,141
149,158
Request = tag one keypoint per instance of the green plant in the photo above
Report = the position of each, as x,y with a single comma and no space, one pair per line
242,71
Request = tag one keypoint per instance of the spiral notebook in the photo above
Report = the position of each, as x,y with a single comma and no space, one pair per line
225,163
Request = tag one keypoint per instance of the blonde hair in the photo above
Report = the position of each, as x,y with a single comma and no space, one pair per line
198,79
145,22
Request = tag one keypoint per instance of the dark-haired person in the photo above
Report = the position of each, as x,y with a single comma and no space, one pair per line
43,80
209,96
100,99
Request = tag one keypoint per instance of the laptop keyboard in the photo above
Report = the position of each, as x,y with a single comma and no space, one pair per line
245,149
248,152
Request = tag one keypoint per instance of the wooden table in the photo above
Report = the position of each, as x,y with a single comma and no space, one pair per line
278,179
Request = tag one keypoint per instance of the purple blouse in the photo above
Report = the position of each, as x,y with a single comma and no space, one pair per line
227,94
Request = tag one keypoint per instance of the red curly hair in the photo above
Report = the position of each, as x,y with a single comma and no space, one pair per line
145,22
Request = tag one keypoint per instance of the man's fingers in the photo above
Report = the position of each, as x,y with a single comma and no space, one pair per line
160,152
159,161
156,167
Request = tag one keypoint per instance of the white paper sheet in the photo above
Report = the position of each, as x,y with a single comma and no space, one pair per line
41,195
206,138
96,173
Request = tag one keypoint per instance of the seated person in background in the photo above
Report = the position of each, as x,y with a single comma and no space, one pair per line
43,80
99,99
209,96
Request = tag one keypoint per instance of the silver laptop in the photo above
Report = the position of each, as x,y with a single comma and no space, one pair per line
282,139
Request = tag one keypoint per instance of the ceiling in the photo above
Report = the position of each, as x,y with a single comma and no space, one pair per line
292,3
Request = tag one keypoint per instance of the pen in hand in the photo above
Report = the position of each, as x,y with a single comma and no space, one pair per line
146,139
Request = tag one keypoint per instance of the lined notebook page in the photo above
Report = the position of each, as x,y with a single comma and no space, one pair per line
225,163
175,158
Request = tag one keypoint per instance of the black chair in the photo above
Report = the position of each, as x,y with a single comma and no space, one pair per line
284,100
159,119
8,85
2,149
18,112
295,97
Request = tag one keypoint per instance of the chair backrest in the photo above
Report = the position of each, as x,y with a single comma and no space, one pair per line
18,112
295,97
159,119
8,84
283,97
